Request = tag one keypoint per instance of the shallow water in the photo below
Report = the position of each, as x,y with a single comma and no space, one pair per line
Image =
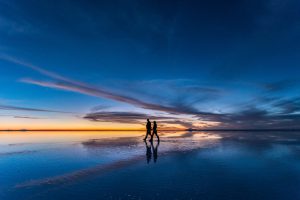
119,165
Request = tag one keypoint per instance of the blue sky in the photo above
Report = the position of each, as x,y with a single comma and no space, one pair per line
192,64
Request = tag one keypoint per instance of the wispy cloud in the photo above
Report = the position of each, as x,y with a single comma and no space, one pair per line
63,83
290,106
103,93
21,117
135,118
18,108
278,86
27,117
35,68
255,118
244,115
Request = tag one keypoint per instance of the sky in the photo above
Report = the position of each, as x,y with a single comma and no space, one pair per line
184,63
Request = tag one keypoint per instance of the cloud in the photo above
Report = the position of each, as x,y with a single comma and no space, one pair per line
182,123
254,118
134,118
278,85
103,93
21,117
121,117
248,116
10,107
35,68
200,89
63,83
281,105
187,95
288,106
27,117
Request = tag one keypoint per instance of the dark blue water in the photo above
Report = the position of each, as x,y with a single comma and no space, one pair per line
184,165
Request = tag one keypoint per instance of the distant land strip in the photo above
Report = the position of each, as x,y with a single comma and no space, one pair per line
191,130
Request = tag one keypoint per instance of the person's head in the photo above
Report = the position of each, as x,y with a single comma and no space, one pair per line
147,120
154,122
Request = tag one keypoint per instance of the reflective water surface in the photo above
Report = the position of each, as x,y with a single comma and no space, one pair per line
120,165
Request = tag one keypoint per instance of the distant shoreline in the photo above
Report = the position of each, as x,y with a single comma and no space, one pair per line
193,130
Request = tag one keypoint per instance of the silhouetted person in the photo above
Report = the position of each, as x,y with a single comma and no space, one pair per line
148,127
155,150
154,131
148,152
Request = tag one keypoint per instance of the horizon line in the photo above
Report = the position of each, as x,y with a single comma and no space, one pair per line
190,130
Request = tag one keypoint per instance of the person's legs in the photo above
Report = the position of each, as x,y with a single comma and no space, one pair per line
148,133
151,139
156,135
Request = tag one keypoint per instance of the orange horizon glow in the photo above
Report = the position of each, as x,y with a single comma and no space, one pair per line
90,129
77,124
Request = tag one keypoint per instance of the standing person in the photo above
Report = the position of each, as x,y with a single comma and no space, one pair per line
148,127
154,131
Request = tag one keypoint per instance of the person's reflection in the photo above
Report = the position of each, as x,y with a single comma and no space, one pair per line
148,152
155,150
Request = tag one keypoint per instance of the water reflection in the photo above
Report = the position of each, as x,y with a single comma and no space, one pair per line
238,165
148,152
152,148
155,150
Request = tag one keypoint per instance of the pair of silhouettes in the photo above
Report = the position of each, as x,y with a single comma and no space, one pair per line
154,132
